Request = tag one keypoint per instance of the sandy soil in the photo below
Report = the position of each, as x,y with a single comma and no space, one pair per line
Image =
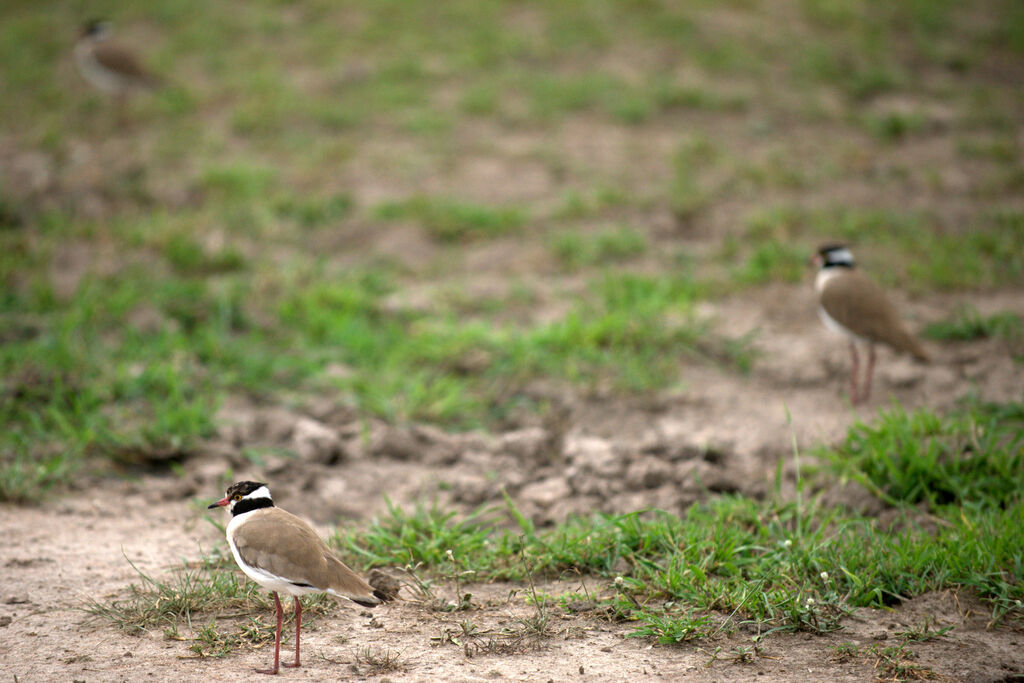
718,431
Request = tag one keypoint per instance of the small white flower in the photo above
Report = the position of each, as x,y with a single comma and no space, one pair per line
824,576
619,581
810,601
788,543
450,555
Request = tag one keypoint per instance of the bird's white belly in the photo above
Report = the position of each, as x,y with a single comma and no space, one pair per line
820,280
99,76
832,325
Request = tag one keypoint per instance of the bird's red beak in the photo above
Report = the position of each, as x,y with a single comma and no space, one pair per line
219,504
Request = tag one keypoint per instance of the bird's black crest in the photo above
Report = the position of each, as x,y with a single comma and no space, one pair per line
243,487
95,27
834,246
835,255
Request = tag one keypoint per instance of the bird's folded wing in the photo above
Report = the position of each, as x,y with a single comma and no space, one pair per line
859,305
123,62
284,546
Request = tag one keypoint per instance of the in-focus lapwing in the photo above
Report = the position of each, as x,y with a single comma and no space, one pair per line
850,303
282,553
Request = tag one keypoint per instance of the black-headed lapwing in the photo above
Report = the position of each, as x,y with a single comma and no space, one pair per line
283,554
850,303
111,68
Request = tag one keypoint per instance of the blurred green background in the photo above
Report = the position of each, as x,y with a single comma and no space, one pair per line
419,209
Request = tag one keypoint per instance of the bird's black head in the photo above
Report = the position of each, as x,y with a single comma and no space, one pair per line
834,255
96,29
243,497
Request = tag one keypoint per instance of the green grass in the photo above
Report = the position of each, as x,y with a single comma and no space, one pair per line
780,566
969,324
974,458
908,248
576,250
783,566
188,257
188,593
774,261
314,212
448,220
213,590
73,388
687,195
895,126
236,227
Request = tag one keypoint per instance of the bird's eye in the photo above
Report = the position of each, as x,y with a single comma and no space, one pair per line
237,496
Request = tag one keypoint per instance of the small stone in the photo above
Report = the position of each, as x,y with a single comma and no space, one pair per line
272,424
472,489
528,445
338,371
593,454
577,606
570,506
901,372
476,441
316,442
398,443
209,467
546,492
385,582
648,473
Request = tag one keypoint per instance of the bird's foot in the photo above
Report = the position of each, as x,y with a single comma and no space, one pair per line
291,666
269,672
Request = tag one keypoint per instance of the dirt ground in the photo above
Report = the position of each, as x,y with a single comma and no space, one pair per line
714,431
718,431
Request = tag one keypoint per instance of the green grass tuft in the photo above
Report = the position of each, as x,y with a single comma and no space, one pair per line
973,458
448,220
969,324
576,250
776,565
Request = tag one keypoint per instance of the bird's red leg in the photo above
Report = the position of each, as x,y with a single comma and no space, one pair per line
871,370
277,640
298,625
854,367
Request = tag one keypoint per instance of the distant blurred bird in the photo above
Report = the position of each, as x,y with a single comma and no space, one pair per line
110,67
850,303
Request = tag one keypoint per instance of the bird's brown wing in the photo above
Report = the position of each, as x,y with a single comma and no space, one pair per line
859,305
121,61
280,543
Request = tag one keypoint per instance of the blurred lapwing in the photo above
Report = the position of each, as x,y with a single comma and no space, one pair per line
282,553
850,303
111,68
